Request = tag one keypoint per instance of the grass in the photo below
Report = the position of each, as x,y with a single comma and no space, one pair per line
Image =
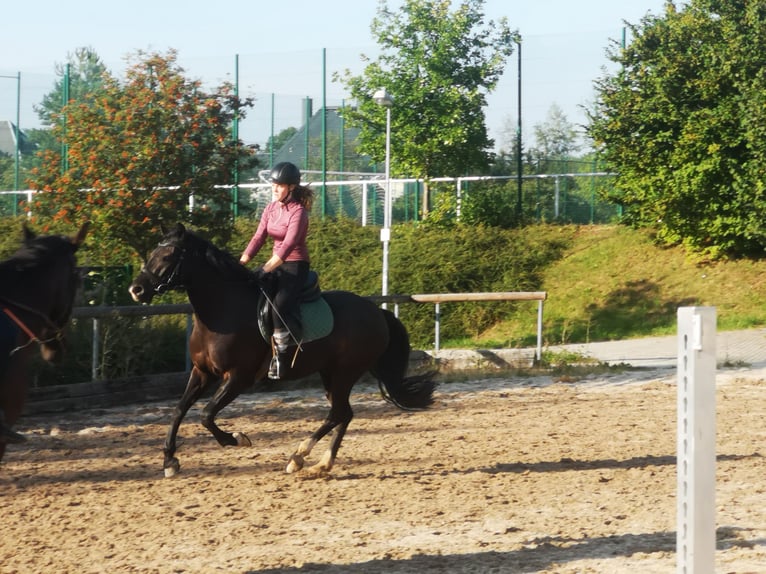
614,283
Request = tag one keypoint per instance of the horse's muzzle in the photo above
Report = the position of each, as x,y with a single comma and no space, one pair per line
139,294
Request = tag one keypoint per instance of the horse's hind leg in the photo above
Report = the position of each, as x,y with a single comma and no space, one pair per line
338,420
229,390
194,389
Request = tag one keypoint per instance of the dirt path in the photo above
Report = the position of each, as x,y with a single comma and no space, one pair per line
500,476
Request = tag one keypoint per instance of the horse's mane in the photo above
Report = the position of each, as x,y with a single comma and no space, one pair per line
228,265
38,262
35,253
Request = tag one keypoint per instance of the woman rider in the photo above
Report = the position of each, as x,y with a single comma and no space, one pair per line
286,221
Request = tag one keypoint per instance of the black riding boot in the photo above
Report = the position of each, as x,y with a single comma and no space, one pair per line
280,360
8,435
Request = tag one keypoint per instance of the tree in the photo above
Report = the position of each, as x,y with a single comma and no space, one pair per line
683,122
275,143
154,148
7,171
83,81
555,138
439,65
80,78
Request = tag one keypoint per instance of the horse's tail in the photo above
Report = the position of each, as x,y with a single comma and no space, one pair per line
408,393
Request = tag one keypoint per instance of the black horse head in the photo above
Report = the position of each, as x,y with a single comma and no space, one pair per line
163,268
176,260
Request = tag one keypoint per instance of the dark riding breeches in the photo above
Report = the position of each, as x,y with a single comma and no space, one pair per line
291,276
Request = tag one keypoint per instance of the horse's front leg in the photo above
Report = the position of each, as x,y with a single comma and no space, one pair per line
233,384
194,389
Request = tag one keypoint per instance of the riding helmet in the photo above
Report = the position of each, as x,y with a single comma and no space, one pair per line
285,172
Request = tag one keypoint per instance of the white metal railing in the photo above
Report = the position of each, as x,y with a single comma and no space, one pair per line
261,191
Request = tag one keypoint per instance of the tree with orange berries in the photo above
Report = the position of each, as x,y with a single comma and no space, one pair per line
155,148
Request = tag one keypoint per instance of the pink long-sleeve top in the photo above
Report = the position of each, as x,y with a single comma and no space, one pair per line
288,225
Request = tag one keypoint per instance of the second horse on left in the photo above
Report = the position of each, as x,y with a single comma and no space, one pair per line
38,284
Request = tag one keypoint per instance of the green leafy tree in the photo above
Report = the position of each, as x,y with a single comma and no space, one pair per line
554,152
154,148
507,154
7,171
82,83
439,65
555,138
275,143
27,150
683,122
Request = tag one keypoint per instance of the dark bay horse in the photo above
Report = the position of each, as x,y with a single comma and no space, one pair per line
226,344
38,284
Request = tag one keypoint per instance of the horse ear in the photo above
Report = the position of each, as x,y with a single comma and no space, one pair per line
77,241
180,229
28,233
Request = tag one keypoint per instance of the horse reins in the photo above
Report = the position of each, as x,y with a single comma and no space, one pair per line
25,328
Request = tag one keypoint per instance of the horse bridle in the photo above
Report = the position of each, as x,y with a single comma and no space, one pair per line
163,285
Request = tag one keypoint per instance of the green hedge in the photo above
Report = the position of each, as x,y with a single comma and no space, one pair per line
347,256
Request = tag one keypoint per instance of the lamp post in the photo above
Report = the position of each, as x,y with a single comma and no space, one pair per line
519,166
383,98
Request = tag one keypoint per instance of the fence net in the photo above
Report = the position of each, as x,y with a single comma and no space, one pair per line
290,88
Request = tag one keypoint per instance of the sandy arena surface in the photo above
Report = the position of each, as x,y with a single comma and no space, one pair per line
501,475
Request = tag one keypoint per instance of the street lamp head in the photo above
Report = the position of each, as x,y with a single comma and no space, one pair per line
383,98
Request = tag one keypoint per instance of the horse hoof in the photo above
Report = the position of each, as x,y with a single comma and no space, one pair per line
295,464
172,468
242,439
317,471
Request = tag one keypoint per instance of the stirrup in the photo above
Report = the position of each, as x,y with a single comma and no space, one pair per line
274,368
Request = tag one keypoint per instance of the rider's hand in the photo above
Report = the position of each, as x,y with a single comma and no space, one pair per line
262,276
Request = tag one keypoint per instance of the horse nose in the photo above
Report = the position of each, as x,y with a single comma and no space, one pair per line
135,292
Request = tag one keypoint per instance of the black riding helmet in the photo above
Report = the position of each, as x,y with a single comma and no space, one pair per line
285,172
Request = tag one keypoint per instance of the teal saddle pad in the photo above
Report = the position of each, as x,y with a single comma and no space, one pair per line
316,320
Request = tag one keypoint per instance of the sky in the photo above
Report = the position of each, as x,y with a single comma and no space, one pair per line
278,50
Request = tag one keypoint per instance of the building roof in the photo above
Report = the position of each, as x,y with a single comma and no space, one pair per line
8,139
294,149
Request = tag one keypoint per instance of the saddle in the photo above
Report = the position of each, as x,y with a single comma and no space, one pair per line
315,320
